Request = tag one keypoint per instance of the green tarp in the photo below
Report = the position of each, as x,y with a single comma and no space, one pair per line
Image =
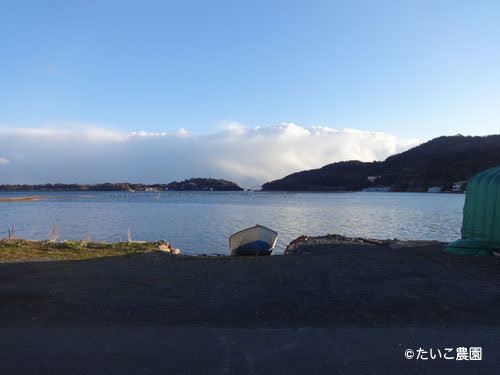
481,221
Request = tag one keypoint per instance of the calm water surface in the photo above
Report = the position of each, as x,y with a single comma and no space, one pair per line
200,223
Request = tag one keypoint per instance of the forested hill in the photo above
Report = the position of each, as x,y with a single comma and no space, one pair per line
204,184
191,184
438,162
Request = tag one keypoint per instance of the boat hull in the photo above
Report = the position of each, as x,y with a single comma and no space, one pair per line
257,240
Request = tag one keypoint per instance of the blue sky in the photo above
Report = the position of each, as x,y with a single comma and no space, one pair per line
410,69
391,66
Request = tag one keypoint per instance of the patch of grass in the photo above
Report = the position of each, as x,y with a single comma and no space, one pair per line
72,245
15,250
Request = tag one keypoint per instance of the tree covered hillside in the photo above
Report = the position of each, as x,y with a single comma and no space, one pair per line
438,162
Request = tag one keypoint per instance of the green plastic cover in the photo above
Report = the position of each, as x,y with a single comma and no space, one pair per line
481,220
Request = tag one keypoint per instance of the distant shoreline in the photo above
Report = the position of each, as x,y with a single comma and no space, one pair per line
198,184
20,199
35,198
38,198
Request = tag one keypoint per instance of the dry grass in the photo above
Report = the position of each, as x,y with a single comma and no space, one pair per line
17,250
20,199
37,198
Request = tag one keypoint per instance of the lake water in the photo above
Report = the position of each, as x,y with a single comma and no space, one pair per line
201,222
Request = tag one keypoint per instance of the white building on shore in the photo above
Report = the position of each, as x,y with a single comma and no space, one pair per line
457,186
434,189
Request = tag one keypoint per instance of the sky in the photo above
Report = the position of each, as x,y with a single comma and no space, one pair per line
152,91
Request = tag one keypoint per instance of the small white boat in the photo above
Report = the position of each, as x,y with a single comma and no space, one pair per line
257,240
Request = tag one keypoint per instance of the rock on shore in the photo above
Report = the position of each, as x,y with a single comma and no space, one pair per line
167,247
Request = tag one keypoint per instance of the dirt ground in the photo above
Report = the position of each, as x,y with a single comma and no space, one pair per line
332,305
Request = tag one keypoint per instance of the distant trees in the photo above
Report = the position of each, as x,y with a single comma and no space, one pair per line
67,187
440,162
191,184
204,184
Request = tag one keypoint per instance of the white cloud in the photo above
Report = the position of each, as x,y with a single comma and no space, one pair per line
249,156
4,161
90,132
182,132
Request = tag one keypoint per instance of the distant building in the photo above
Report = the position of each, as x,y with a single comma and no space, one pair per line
457,186
254,188
372,178
434,189
380,189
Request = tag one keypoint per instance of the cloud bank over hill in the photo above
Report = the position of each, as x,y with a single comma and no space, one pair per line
248,156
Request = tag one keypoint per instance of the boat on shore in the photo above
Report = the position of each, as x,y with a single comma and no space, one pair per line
257,240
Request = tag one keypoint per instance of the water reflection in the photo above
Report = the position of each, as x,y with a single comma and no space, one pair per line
202,222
